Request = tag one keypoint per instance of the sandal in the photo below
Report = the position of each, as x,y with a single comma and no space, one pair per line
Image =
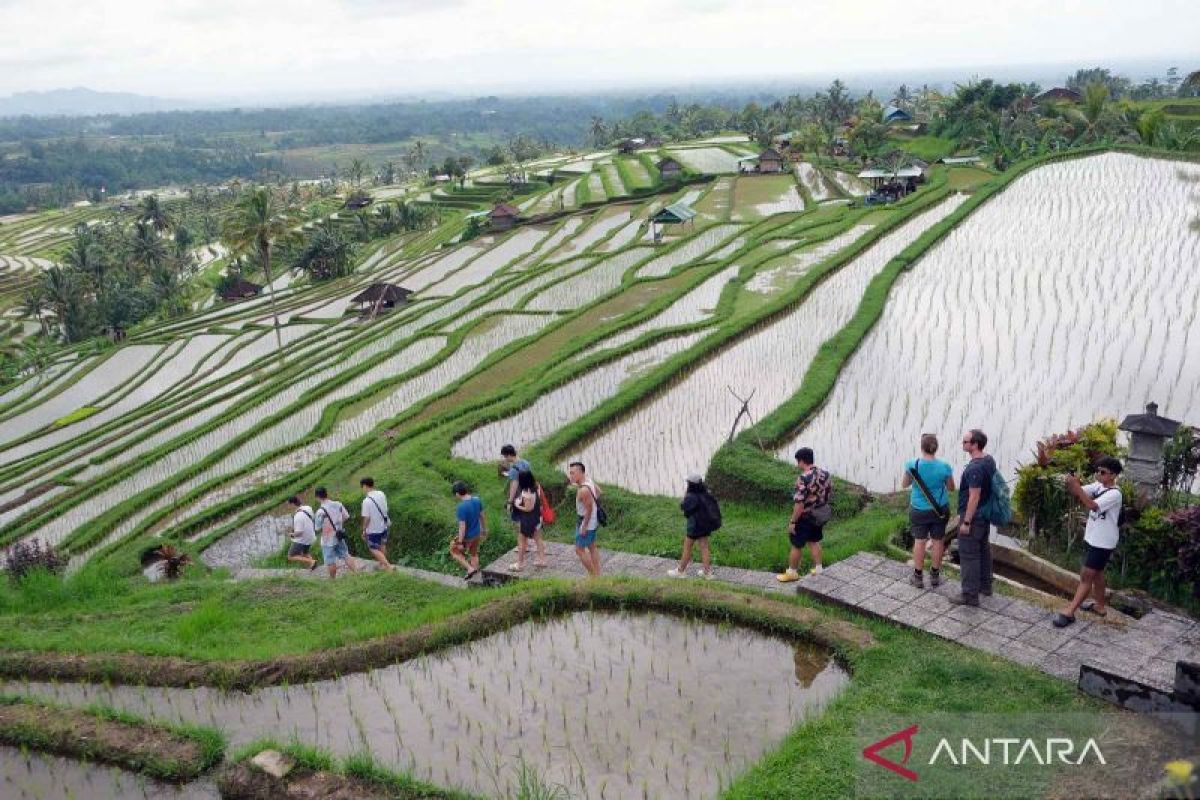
471,574
1062,621
1090,605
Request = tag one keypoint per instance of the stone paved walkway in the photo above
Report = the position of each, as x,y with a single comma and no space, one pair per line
320,573
1143,653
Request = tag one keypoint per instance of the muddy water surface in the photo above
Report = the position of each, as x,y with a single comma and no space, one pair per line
611,706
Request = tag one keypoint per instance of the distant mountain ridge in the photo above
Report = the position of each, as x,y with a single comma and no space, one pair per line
81,101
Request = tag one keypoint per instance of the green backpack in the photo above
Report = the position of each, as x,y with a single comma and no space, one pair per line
998,508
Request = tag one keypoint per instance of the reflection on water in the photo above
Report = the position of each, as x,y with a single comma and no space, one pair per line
608,705
39,776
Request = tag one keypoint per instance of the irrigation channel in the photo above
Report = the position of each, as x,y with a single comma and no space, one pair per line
608,705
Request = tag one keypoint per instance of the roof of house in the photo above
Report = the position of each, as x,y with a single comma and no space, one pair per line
359,201
770,153
669,163
676,212
1150,423
504,210
239,289
910,171
960,159
892,113
1059,93
388,292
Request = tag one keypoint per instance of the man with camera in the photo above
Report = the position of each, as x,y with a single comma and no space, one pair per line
1102,498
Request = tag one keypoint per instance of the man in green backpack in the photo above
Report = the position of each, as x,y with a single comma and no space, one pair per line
974,492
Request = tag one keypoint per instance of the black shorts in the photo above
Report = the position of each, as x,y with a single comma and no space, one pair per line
696,536
298,549
1096,557
806,531
926,524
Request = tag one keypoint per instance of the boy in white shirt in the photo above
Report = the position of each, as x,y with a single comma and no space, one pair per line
303,533
1103,501
331,521
376,522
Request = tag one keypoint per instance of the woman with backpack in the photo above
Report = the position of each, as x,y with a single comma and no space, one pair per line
703,515
931,481
529,507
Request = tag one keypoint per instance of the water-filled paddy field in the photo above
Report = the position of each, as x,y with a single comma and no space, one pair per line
609,705
1072,295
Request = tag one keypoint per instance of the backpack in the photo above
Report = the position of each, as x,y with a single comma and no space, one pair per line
998,508
548,513
822,512
601,514
709,517
1126,515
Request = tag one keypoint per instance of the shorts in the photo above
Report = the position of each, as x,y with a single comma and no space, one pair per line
926,524
586,539
1096,557
529,523
376,541
698,535
298,549
333,553
806,531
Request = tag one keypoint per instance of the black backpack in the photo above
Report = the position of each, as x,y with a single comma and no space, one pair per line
708,515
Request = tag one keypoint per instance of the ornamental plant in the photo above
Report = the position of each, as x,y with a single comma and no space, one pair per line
29,555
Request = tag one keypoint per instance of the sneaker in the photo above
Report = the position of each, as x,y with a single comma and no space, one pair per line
675,573
963,600
790,576
707,575
917,580
817,570
1062,620
935,578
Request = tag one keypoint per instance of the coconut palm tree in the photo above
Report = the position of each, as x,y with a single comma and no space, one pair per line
256,222
358,168
34,305
65,297
151,211
146,248
85,256
598,131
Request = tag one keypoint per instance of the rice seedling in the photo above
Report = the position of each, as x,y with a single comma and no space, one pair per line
712,160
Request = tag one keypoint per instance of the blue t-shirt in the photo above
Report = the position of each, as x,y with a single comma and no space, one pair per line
934,473
470,511
518,466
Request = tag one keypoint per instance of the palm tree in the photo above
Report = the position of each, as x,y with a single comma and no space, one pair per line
146,248
256,222
85,257
598,132
34,304
357,169
419,152
151,211
65,297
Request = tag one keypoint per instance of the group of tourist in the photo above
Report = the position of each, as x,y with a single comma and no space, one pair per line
929,479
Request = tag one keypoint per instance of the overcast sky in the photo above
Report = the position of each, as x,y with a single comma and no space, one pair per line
207,49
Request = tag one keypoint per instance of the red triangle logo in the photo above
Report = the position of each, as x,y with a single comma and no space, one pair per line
871,752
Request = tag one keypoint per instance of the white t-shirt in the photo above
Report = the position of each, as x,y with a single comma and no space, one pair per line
303,531
1102,530
588,489
331,516
374,512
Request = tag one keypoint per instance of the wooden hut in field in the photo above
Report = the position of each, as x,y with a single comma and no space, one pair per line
674,214
628,146
356,202
669,169
380,296
895,114
503,216
771,161
241,289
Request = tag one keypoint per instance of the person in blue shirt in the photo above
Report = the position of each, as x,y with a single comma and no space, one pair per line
472,529
928,519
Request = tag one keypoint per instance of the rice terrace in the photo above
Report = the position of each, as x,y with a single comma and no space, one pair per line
530,434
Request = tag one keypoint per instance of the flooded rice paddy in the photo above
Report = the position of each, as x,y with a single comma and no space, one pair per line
29,775
610,706
1071,296
678,431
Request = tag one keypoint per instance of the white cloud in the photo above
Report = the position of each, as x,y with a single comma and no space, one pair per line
293,48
